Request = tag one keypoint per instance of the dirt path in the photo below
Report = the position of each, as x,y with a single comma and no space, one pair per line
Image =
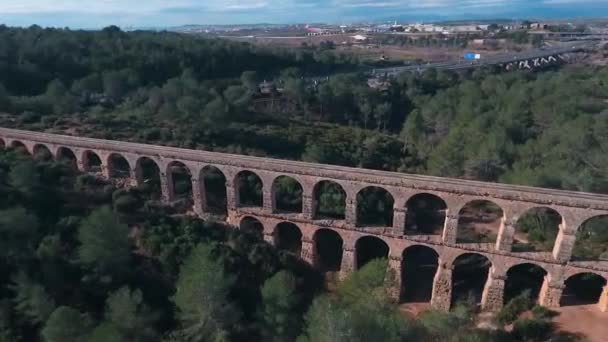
586,320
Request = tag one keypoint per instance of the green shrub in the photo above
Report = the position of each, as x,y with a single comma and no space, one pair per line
514,308
531,330
541,312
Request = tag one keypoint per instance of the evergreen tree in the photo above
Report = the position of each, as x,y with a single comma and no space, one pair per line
279,304
31,300
205,313
130,315
105,248
66,325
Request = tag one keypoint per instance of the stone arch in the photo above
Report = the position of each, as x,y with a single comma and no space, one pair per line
536,230
425,215
583,289
592,239
288,237
469,276
375,207
19,147
249,189
328,250
148,177
252,225
91,161
368,248
42,152
213,183
479,221
329,200
287,194
179,178
524,277
118,166
67,156
418,268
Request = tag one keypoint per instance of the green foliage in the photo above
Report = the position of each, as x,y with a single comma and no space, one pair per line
130,315
205,312
106,332
18,233
541,312
447,325
371,278
361,311
279,303
532,330
66,325
511,311
105,247
171,241
32,300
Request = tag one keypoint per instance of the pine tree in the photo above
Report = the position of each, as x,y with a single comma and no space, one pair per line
205,312
279,301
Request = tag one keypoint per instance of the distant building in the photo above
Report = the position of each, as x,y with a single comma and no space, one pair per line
463,28
538,26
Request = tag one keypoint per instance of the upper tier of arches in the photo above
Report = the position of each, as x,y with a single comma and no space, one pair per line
359,204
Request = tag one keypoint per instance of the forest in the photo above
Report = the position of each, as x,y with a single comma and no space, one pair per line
86,261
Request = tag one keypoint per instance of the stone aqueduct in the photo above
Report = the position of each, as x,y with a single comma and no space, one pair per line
574,207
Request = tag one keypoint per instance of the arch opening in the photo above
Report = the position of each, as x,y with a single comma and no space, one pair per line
181,184
287,194
2,144
425,215
288,237
369,248
418,268
524,278
252,226
592,240
42,153
329,201
375,207
250,189
92,162
583,289
479,221
118,167
469,277
214,183
148,177
328,250
19,147
66,156
536,230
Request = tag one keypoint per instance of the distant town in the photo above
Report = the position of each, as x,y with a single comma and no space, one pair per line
395,27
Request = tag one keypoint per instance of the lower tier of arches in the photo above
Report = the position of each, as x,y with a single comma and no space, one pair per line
425,272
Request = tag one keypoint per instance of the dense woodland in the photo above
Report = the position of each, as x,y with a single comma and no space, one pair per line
60,281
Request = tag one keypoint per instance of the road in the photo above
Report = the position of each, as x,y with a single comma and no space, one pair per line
491,60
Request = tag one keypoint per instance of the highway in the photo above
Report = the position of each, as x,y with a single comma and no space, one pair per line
505,58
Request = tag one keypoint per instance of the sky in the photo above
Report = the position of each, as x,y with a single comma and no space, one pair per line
166,13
